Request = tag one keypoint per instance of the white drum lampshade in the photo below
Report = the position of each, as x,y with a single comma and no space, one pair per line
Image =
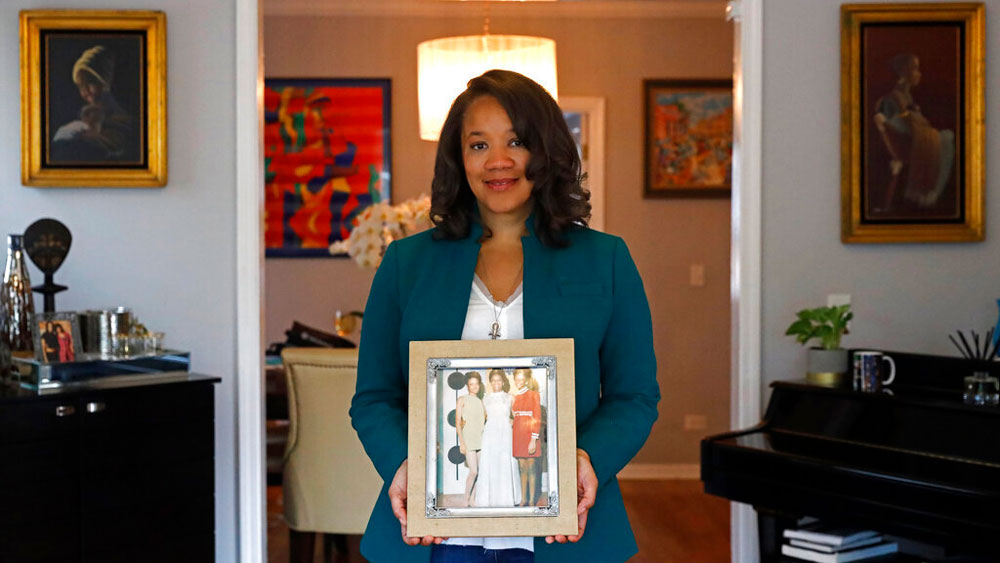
446,65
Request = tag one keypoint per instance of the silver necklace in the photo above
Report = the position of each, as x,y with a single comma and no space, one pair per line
495,327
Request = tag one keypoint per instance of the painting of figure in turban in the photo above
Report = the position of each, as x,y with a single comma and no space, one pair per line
93,112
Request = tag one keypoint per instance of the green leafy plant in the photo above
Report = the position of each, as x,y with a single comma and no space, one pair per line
827,324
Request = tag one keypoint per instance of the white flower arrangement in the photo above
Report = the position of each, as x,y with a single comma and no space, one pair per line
380,224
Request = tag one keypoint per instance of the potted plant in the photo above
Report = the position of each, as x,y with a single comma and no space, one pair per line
826,364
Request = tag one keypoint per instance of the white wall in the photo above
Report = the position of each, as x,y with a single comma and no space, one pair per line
168,253
906,297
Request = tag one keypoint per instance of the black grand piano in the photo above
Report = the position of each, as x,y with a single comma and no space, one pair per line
918,464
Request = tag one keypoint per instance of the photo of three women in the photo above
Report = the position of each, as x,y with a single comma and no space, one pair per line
499,434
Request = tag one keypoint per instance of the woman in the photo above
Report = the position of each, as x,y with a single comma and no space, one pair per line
918,152
104,131
65,344
508,207
498,481
471,417
527,409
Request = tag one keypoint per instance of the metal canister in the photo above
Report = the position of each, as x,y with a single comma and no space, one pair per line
112,323
90,331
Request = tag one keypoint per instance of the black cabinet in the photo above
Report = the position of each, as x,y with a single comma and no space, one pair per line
124,474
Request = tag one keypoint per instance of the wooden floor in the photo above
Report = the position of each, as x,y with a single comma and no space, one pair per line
674,521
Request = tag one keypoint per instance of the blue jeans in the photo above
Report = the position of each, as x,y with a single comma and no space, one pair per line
475,554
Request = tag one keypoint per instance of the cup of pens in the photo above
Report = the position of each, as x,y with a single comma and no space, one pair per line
981,388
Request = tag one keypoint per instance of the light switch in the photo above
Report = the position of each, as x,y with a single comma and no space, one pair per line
698,275
695,422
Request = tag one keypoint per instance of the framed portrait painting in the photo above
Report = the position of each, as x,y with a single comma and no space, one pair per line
492,438
689,138
93,98
912,164
326,158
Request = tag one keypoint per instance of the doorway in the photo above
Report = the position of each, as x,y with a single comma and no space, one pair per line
629,217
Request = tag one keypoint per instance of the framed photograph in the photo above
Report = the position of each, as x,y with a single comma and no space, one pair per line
585,117
56,337
689,138
492,438
911,112
326,158
93,98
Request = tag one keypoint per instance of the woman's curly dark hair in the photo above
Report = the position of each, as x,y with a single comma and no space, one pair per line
560,201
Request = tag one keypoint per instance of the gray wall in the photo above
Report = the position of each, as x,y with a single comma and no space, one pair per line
906,297
169,253
597,57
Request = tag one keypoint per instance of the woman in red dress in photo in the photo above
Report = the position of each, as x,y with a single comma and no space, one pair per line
527,412
65,344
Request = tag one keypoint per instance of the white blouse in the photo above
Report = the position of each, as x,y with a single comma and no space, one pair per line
483,311
479,320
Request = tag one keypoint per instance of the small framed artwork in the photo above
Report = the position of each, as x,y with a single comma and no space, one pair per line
326,158
585,117
911,108
56,337
689,138
492,438
93,98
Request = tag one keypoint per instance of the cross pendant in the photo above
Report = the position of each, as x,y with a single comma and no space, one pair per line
495,331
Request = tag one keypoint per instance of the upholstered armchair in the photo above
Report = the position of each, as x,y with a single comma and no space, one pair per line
330,485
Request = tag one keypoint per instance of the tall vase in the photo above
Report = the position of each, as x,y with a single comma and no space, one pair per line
17,304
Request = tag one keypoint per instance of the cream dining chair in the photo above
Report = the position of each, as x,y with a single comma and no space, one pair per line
330,485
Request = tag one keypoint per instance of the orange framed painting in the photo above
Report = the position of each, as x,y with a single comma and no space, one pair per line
688,138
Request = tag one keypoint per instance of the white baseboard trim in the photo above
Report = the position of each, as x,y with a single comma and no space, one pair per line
660,471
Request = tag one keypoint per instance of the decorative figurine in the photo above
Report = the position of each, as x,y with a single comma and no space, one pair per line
47,243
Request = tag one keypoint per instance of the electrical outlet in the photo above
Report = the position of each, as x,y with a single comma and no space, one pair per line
695,422
697,275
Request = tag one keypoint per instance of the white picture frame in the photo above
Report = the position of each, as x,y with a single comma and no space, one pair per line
589,135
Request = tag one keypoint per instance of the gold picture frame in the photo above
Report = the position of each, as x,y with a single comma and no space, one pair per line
93,98
912,135
442,374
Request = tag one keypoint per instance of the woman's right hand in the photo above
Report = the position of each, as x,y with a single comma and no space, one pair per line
397,499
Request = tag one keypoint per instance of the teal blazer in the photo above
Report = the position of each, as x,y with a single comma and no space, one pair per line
589,291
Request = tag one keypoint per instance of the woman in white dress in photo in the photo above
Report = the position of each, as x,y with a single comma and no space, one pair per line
499,481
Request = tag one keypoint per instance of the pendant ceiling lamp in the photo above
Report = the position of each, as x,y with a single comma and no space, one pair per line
445,66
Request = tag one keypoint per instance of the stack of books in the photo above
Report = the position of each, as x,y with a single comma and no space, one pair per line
826,544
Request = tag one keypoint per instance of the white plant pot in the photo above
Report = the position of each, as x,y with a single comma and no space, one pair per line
826,367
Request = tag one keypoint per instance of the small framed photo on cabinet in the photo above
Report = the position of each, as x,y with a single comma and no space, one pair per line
56,337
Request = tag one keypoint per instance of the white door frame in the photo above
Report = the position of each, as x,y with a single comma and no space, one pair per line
745,281
745,393
250,465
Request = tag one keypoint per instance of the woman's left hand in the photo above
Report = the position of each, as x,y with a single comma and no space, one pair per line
586,492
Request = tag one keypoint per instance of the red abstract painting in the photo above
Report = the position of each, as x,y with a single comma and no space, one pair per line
326,158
